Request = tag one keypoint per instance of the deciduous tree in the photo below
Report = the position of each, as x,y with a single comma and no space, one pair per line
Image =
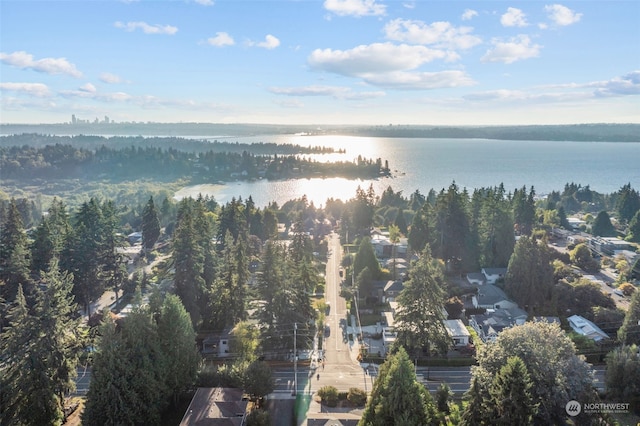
557,373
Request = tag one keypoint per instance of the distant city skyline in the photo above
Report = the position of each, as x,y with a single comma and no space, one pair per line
320,62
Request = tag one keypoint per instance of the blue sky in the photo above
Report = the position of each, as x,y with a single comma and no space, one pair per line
443,62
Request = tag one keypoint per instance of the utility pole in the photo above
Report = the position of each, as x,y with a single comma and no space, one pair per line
295,359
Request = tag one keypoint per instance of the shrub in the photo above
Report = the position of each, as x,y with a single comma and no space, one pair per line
328,395
357,397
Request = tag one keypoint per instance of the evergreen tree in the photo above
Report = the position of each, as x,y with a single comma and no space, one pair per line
452,228
397,398
623,375
150,225
476,412
628,202
421,230
602,226
524,210
188,258
14,254
50,236
177,341
366,258
634,228
42,351
629,333
15,341
529,278
511,394
496,229
84,254
419,317
401,222
128,382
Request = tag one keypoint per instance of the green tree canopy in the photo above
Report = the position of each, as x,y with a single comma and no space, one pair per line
366,258
511,399
602,226
629,333
581,257
419,317
623,375
150,225
529,278
557,373
397,398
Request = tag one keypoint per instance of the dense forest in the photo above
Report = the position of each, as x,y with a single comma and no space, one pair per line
32,157
575,132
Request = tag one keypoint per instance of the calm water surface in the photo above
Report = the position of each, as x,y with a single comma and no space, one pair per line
422,164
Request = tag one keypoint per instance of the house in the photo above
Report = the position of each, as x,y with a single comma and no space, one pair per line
392,289
492,275
492,297
586,328
398,266
476,278
608,245
216,406
217,344
491,323
458,332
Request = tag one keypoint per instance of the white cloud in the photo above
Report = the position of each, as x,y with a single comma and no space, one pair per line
516,49
109,78
355,7
468,14
439,34
628,84
373,58
221,39
54,66
562,15
205,2
270,42
330,91
89,88
147,28
33,89
514,18
402,80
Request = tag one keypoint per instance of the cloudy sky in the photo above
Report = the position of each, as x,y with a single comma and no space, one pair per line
444,62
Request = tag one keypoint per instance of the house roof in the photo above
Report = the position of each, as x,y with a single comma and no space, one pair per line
215,407
396,286
456,328
494,271
586,328
476,276
490,295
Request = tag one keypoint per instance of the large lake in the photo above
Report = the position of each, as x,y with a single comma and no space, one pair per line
423,164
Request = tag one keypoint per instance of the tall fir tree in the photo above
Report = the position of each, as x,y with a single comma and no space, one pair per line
529,278
42,351
150,225
511,400
14,254
397,398
419,318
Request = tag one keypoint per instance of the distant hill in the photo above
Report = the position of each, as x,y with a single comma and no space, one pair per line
575,132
